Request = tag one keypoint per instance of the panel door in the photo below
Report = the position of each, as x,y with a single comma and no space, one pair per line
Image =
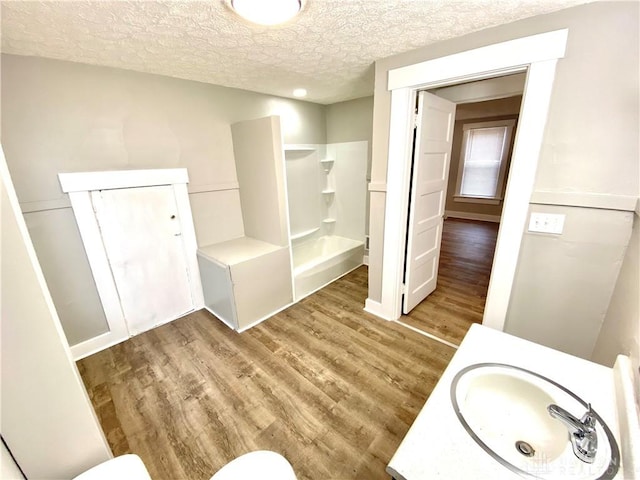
431,157
141,232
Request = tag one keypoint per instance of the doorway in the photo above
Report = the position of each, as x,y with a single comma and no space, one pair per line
463,279
481,148
536,55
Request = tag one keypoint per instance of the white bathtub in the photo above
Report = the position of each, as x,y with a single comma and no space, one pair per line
320,261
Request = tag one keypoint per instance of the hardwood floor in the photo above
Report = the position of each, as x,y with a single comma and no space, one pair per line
330,387
463,279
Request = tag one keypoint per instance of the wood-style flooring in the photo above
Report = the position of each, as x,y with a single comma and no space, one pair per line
463,279
330,387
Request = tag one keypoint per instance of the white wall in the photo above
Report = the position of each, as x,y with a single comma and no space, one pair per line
59,247
590,148
305,180
564,282
63,117
349,176
620,331
260,165
46,419
349,122
8,468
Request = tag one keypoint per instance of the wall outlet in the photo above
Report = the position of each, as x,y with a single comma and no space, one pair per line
546,223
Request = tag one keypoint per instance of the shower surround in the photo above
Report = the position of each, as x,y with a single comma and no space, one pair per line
326,188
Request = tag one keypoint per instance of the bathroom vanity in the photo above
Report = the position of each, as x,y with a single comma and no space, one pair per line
496,389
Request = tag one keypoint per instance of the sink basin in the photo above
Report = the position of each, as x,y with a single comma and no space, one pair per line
504,409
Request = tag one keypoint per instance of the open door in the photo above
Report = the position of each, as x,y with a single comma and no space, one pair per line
431,156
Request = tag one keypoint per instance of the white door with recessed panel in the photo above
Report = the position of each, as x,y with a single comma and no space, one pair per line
142,237
431,157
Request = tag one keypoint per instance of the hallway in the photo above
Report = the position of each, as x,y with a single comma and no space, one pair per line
463,279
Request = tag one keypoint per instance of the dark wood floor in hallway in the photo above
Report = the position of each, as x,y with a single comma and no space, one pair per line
463,279
330,387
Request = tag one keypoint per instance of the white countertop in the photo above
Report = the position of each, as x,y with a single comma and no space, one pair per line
437,446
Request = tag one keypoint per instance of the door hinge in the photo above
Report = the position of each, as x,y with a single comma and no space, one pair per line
415,120
403,289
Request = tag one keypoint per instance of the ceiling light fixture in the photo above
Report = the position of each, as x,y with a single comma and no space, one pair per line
300,92
267,12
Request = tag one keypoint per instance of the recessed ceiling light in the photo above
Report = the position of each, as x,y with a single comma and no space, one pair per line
300,92
267,12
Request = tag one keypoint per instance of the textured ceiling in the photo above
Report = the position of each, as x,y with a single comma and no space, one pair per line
328,49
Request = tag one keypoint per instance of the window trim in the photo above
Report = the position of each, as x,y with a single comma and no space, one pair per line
497,198
483,200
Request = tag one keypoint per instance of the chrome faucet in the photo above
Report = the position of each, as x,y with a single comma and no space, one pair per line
582,432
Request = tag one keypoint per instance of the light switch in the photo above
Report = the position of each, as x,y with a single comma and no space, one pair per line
546,223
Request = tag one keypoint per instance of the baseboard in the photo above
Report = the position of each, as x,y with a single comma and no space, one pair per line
482,217
109,339
95,345
374,308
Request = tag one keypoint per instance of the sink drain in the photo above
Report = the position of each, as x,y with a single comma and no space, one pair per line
525,449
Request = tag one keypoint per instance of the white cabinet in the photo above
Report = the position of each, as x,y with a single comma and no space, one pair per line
245,280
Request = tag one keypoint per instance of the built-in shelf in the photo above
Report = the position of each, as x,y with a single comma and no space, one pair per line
326,163
304,233
328,192
298,152
299,148
327,221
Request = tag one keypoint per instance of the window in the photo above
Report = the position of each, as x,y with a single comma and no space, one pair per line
483,161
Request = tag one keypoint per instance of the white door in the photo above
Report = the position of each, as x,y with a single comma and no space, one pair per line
141,233
431,156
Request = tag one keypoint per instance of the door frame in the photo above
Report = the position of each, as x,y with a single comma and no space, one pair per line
79,187
536,55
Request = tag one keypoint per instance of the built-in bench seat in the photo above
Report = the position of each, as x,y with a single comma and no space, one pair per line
245,280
